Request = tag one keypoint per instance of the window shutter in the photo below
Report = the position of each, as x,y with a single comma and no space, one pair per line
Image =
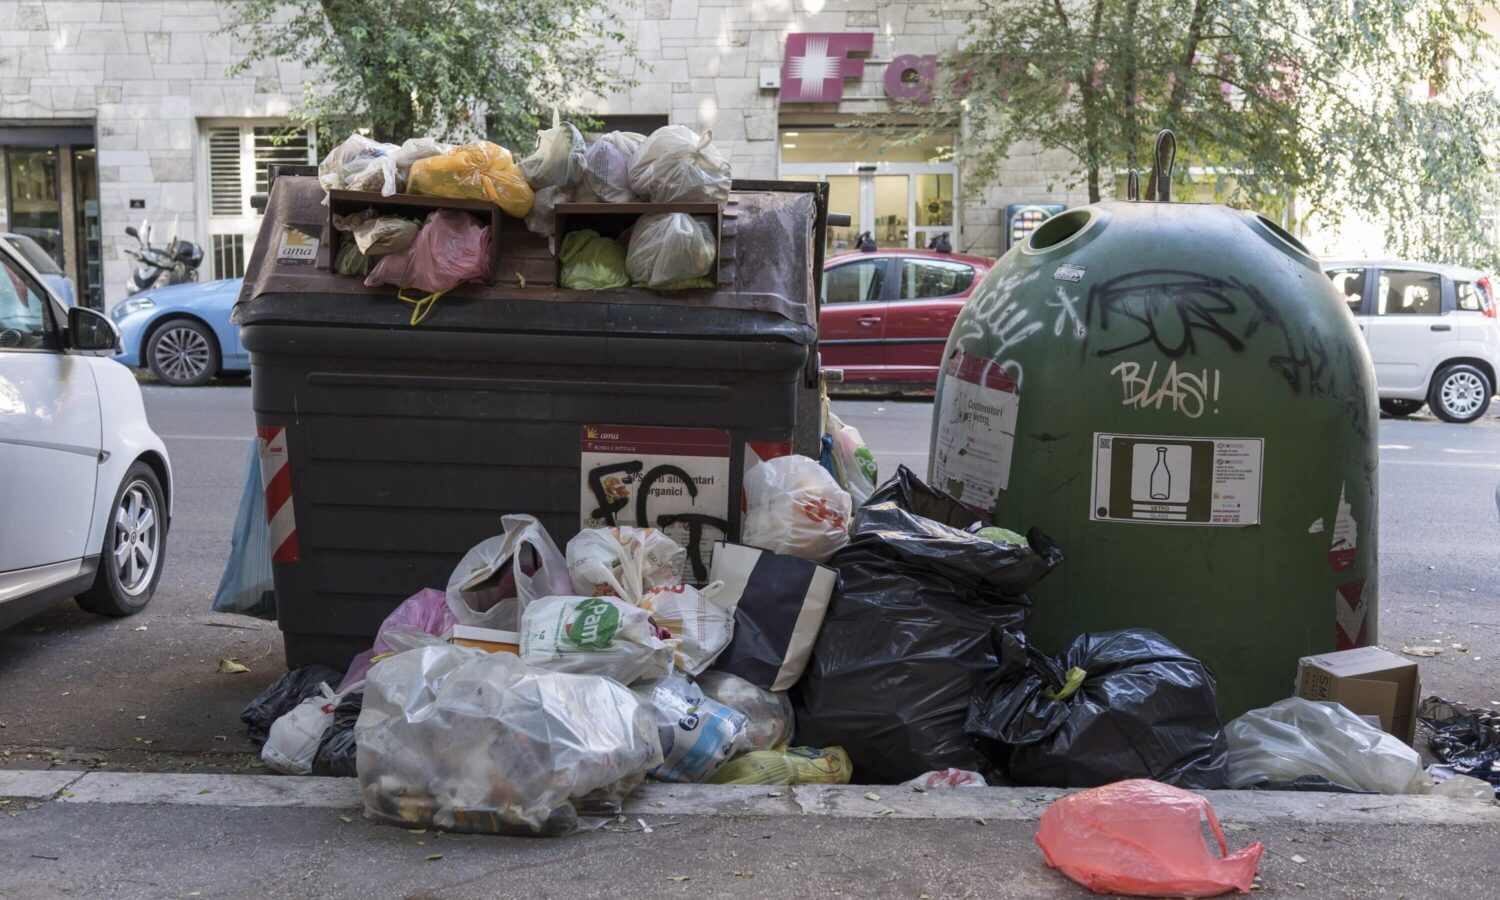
226,189
294,149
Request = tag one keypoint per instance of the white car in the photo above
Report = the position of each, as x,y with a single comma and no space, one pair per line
85,484
1431,331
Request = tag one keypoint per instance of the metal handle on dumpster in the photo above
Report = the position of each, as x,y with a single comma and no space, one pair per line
1161,169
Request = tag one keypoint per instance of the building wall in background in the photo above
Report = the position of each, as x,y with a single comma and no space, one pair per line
148,75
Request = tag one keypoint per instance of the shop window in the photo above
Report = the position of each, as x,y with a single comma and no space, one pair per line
35,208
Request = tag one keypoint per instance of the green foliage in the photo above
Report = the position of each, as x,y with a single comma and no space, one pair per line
450,69
1314,108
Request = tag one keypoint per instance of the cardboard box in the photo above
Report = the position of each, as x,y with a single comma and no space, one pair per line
1368,681
490,640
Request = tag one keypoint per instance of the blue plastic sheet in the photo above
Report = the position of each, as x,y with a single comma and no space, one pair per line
246,587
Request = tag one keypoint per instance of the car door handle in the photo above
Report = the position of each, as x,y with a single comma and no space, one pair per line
867,321
1442,328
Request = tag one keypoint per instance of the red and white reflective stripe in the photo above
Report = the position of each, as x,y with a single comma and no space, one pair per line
760,451
276,475
757,452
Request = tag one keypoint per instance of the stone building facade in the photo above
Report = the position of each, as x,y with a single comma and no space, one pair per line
114,113
107,108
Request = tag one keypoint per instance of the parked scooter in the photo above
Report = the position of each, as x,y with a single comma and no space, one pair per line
177,264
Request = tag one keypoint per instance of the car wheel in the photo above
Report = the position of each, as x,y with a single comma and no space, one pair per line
1460,393
135,542
1400,408
183,353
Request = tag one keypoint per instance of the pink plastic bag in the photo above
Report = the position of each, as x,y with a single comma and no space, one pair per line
451,248
1143,839
426,611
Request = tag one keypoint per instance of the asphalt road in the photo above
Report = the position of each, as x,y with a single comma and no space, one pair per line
146,692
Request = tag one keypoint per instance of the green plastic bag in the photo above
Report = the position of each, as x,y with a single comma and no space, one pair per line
592,262
350,261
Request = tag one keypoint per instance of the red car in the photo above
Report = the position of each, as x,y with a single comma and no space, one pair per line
887,313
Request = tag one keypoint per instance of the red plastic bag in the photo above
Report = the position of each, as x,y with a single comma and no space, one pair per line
1144,839
451,248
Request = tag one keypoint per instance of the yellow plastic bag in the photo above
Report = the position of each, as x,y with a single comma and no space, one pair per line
788,765
476,171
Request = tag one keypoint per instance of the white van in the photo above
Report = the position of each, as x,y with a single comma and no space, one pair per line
1431,331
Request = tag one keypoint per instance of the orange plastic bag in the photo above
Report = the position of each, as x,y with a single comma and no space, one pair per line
476,171
1143,839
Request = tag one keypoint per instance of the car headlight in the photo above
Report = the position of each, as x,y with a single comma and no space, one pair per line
130,305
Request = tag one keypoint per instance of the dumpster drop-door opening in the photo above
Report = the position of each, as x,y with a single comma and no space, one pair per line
675,479
1176,480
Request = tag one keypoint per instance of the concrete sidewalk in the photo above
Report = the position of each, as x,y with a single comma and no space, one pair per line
152,835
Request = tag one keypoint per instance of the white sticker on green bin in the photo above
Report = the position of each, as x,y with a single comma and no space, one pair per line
977,434
675,479
1161,480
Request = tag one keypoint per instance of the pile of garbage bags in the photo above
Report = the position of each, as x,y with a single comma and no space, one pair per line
664,251
884,643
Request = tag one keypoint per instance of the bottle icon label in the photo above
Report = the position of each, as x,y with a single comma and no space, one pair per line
1161,477
1170,480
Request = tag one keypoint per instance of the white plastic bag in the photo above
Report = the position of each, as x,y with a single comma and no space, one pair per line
794,506
606,166
413,149
700,621
698,734
668,248
855,463
293,742
557,160
459,739
623,561
677,165
543,215
594,636
359,164
489,590
770,722
1295,737
945,778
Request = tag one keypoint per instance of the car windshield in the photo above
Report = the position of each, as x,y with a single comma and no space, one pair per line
33,253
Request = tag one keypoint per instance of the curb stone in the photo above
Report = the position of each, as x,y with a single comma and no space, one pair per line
834,801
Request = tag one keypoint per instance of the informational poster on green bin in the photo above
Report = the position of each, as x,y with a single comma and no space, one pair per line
675,479
1159,480
978,432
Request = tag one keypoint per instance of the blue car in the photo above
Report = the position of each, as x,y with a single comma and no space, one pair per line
182,333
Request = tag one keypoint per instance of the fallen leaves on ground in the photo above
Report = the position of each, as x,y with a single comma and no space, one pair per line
230,667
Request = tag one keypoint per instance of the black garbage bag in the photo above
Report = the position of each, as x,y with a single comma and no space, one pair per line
279,699
913,629
1116,705
336,753
1465,738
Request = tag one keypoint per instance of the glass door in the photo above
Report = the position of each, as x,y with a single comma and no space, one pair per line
903,199
88,271
889,205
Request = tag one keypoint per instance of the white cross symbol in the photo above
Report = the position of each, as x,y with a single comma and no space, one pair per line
814,67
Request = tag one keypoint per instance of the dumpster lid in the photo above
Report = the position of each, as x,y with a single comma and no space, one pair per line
766,251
